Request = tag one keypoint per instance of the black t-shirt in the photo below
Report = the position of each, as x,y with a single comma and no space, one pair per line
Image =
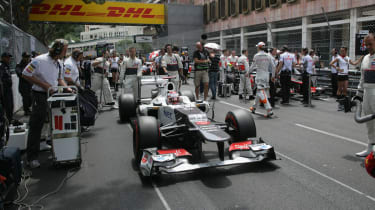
214,66
201,55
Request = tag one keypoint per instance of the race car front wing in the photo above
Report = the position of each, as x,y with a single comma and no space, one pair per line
156,161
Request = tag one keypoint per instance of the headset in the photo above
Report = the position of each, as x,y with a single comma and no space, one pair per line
58,47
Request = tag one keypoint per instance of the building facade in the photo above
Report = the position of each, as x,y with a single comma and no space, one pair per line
317,24
96,32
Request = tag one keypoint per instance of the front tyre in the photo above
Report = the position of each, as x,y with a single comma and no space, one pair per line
242,124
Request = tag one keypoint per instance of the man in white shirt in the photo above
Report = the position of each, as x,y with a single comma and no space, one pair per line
307,66
285,68
233,58
172,65
133,69
243,67
71,65
366,88
224,60
44,72
100,81
334,73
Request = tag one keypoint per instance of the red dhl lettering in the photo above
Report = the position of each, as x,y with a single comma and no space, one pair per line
75,10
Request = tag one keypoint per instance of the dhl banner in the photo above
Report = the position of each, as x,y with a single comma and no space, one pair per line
109,12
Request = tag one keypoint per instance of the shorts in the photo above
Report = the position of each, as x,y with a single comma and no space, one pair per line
114,70
341,78
199,76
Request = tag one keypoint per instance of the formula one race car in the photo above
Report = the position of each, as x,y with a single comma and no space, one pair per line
170,139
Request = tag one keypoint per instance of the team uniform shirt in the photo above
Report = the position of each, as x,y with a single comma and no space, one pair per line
243,64
171,63
288,59
133,66
333,70
114,61
71,69
233,60
45,69
223,63
265,65
100,65
367,72
308,62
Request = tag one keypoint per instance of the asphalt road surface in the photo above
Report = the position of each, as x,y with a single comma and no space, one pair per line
316,169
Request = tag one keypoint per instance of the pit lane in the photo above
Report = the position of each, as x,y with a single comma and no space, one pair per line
312,166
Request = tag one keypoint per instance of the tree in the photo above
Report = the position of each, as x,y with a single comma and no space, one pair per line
44,32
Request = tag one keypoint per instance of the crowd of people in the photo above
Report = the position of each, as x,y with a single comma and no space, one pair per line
39,74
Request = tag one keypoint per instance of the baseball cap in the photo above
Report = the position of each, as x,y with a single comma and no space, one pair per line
6,54
260,44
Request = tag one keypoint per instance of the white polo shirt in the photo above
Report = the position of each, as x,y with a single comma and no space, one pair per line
71,69
288,59
45,69
308,62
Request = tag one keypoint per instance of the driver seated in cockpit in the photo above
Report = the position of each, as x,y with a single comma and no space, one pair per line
173,98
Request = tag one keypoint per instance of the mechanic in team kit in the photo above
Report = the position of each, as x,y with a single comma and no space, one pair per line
273,54
172,65
224,64
366,89
100,81
71,71
133,69
243,67
233,58
44,72
286,64
201,64
307,66
264,64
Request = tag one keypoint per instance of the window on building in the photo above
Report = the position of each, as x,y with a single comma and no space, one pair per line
267,3
232,7
244,7
205,14
213,16
258,5
222,8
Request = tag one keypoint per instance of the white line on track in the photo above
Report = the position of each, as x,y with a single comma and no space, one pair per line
314,170
326,176
161,197
229,104
332,134
166,206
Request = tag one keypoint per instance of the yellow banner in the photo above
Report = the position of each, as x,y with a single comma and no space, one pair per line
109,12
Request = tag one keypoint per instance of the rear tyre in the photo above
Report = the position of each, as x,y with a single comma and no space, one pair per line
242,123
145,135
189,94
127,107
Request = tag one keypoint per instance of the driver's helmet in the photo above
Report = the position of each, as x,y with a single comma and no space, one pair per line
370,164
173,97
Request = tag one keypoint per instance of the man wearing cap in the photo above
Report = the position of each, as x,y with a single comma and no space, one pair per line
71,71
243,67
44,72
6,83
285,67
264,64
24,86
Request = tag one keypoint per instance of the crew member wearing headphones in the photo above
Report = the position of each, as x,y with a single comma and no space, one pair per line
71,71
44,72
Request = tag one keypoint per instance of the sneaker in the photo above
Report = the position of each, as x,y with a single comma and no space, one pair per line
251,97
365,152
111,103
213,98
240,97
269,114
44,146
114,106
34,164
252,109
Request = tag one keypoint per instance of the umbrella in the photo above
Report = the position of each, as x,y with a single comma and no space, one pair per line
153,54
212,46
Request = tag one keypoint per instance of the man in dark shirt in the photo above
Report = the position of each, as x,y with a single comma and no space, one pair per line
213,72
6,85
24,87
201,64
